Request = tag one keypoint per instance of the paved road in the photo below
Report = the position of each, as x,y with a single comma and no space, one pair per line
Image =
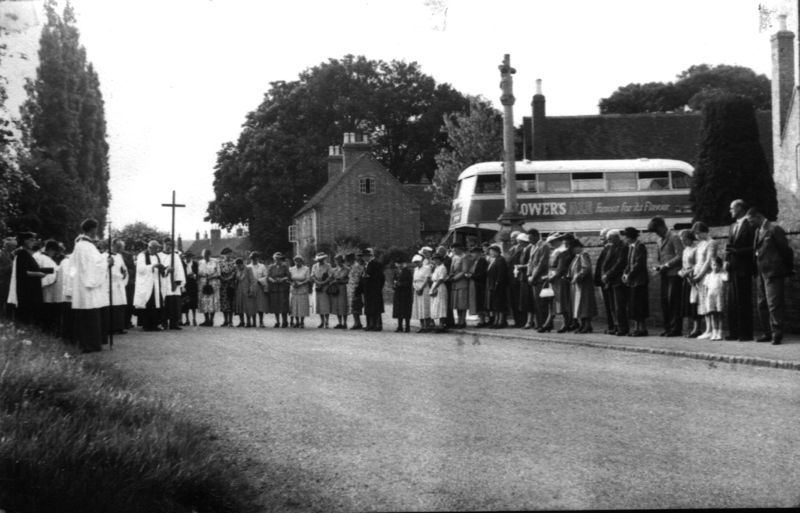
344,421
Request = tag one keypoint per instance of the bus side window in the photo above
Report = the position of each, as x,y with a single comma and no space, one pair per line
680,180
457,189
526,183
488,184
588,182
555,182
653,180
621,182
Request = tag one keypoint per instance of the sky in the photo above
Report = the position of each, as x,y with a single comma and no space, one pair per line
179,76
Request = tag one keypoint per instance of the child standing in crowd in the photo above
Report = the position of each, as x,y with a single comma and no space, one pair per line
716,292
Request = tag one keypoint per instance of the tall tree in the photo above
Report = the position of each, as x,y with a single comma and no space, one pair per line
731,164
279,160
693,88
64,128
137,234
473,136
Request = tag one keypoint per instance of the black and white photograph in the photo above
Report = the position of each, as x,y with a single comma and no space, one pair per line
372,255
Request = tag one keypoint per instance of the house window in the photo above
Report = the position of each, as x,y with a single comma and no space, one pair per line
293,233
366,185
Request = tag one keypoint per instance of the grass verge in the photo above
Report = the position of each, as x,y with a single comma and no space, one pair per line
77,436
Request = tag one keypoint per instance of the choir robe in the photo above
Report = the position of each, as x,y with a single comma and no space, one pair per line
119,297
147,296
172,296
89,270
50,292
66,327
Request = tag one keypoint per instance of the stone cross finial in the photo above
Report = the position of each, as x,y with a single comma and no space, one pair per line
506,81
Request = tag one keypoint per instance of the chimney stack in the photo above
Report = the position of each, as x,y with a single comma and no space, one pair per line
197,235
335,166
354,146
216,235
782,77
538,146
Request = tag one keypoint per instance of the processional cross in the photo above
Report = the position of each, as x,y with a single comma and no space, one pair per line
173,206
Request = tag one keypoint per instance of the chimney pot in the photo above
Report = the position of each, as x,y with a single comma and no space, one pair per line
782,21
538,86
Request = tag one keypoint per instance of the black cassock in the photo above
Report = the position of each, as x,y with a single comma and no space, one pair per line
403,299
372,284
29,289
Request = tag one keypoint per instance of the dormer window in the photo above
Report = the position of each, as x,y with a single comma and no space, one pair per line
366,185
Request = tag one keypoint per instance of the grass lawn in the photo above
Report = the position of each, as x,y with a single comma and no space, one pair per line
75,435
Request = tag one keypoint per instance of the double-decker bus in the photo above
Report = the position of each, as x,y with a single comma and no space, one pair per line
581,196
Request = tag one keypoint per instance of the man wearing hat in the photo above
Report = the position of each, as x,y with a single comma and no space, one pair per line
536,272
520,276
636,278
6,266
372,284
611,270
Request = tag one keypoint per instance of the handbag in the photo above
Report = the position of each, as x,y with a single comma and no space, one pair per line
333,289
547,292
208,290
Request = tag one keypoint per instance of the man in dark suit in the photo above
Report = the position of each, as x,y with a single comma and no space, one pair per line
372,284
669,254
740,265
636,278
614,263
774,260
605,291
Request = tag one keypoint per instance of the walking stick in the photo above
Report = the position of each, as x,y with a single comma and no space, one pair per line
110,294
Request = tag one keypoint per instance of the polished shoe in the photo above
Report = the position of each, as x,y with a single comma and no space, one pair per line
694,334
423,330
610,331
674,334
777,339
399,329
545,329
284,325
764,338
407,329
321,325
440,329
357,327
277,325
563,329
638,334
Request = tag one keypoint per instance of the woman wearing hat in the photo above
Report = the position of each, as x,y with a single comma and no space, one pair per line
278,278
560,261
403,298
321,277
337,291
497,287
227,277
260,275
636,278
421,281
355,299
477,285
298,301
245,300
584,304
190,291
438,292
209,287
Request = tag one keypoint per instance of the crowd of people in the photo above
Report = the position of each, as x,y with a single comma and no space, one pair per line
536,283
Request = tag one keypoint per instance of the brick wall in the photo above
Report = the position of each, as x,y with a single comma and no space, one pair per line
388,217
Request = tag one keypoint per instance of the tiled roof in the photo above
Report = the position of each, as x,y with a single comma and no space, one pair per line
622,136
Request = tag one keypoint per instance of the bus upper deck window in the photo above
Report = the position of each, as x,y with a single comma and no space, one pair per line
526,183
680,180
556,182
653,180
618,182
585,182
488,184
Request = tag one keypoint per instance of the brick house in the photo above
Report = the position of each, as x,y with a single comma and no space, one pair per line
361,198
240,244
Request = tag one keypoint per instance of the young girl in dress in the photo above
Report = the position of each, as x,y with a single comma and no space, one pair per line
716,292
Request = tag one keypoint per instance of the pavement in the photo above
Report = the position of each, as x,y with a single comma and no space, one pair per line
328,420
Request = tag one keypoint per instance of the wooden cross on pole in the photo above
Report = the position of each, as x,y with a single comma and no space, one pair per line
173,206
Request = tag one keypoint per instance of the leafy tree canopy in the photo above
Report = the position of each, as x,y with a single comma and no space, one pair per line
64,133
473,136
279,160
731,164
137,234
693,88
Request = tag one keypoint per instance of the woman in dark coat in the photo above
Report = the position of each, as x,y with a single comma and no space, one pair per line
403,299
562,300
477,286
636,278
278,290
497,287
190,296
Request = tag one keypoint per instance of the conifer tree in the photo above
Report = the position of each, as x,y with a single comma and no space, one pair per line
65,134
732,164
